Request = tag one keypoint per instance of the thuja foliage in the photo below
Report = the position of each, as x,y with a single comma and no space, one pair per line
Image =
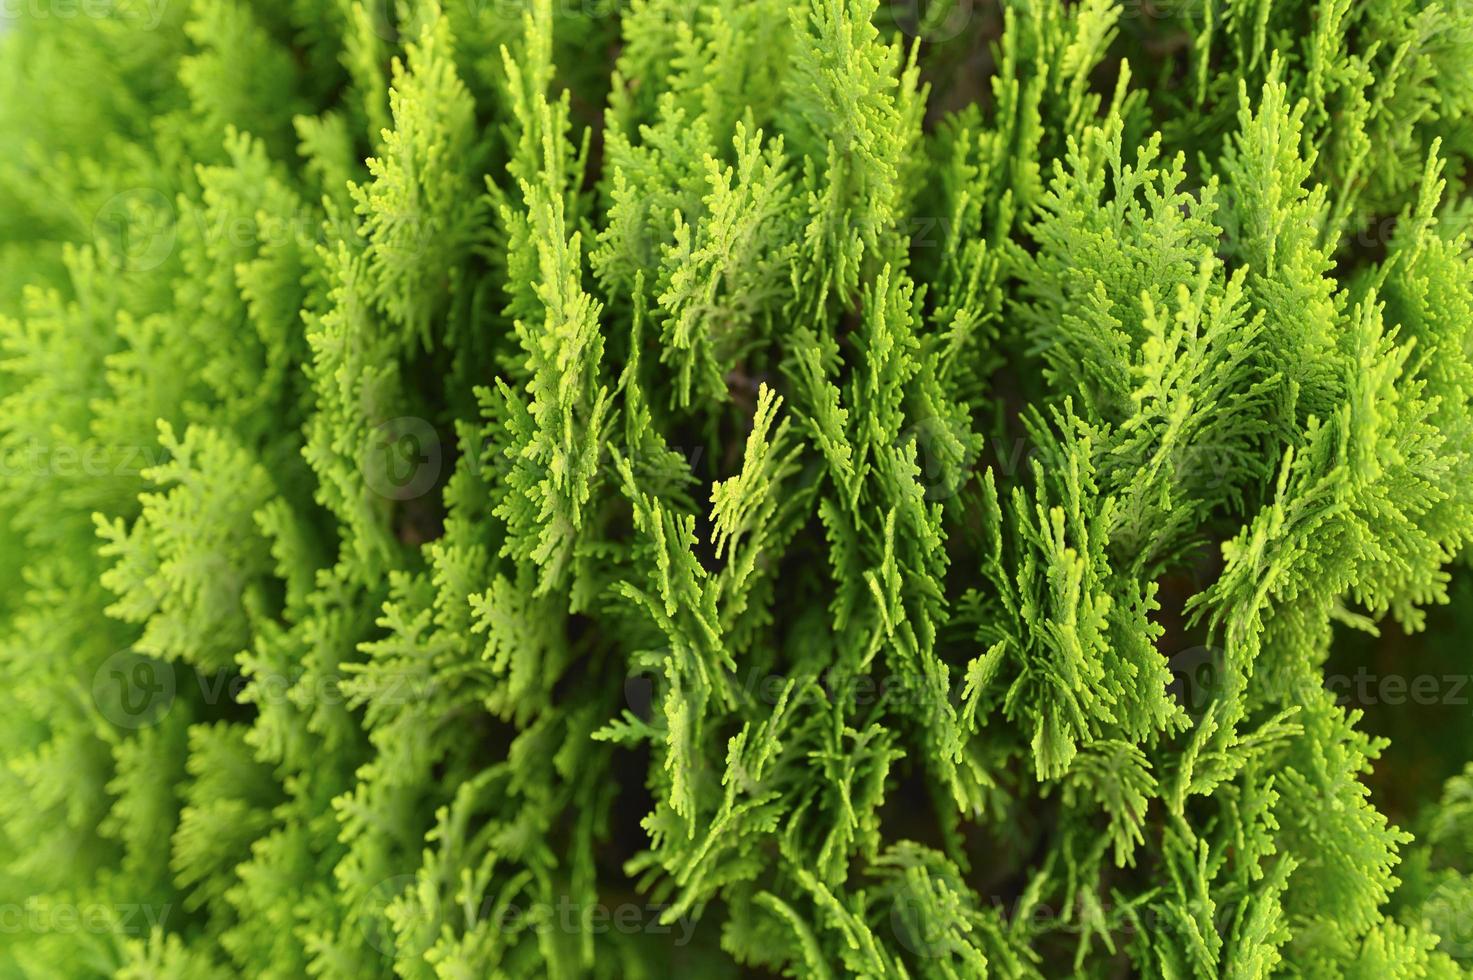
785,487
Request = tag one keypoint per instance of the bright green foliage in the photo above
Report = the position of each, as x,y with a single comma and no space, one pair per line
790,487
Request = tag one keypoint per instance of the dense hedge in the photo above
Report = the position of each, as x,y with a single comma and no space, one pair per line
735,486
